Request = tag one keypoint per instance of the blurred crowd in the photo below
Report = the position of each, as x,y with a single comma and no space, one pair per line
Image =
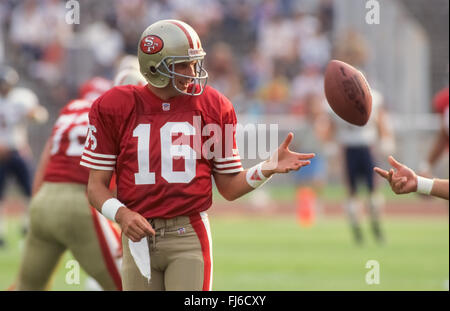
267,56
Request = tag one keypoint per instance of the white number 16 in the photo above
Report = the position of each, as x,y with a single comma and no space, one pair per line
168,152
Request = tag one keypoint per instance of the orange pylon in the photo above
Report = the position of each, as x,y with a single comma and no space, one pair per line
306,201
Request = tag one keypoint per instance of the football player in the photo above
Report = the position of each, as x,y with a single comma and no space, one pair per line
61,218
18,106
359,143
165,141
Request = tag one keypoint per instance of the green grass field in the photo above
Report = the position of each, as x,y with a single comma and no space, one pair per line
277,254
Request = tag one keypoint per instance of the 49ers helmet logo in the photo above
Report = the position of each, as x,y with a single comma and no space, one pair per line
151,44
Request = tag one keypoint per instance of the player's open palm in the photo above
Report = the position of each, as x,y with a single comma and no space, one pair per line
402,179
133,225
285,160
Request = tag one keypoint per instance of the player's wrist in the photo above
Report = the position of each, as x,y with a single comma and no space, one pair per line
111,209
266,169
424,185
255,176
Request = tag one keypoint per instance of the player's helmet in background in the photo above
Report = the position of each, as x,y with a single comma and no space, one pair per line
129,76
93,88
166,43
8,78
127,62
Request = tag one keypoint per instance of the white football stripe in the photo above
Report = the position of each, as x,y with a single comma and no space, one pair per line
100,155
228,165
205,221
227,159
97,161
103,168
229,171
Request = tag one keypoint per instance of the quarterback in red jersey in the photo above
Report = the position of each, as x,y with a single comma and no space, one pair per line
60,216
164,141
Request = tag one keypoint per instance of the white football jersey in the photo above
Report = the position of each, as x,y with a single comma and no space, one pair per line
352,135
14,108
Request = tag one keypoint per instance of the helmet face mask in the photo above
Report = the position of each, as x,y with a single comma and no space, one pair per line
166,43
200,79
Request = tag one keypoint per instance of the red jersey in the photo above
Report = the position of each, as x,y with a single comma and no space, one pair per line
162,151
67,144
440,100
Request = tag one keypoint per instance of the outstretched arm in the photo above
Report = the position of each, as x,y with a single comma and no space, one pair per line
233,186
404,180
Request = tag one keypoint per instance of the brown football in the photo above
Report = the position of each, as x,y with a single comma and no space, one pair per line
348,92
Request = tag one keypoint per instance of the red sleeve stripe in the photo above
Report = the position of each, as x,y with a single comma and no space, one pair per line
100,155
235,170
232,164
88,159
221,160
102,168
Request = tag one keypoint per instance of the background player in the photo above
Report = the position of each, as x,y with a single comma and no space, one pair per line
358,142
60,214
165,184
440,144
18,105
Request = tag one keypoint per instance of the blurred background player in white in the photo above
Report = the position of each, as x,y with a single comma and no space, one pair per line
128,72
18,106
61,217
358,143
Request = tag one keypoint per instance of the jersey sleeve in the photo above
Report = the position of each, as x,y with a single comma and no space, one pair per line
228,161
101,147
440,101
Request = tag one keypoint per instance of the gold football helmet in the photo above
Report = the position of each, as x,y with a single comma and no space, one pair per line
166,43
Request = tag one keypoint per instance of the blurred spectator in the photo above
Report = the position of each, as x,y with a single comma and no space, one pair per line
308,82
351,47
314,49
106,42
277,39
39,32
222,70
275,93
273,44
133,16
255,69
27,32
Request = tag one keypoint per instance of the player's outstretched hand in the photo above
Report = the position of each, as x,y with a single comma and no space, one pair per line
284,160
402,179
133,224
